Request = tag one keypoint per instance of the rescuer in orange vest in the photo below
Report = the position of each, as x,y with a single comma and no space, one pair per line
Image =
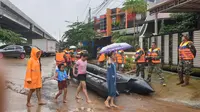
153,59
120,60
101,58
73,58
140,61
59,57
68,61
187,53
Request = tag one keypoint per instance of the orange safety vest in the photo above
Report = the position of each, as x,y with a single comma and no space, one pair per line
73,59
120,58
153,54
102,57
69,59
142,58
59,58
184,52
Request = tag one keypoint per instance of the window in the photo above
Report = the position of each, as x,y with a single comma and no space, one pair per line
103,24
3,46
11,47
113,19
18,48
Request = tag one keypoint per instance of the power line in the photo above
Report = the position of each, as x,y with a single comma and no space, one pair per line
100,6
105,5
121,3
86,7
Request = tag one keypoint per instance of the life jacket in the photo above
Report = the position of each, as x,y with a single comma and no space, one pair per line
120,59
73,59
102,57
184,52
153,54
59,58
68,59
142,58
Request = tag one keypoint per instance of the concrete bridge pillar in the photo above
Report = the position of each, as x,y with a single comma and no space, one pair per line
29,41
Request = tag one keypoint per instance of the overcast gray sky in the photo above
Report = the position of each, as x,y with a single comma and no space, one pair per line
51,14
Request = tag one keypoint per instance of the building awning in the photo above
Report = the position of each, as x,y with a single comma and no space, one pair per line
174,6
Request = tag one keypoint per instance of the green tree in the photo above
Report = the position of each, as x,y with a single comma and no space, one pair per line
134,7
10,37
118,38
79,32
183,22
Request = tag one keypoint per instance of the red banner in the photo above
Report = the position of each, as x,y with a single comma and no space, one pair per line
131,16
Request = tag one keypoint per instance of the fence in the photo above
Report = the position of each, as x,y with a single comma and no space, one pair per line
169,44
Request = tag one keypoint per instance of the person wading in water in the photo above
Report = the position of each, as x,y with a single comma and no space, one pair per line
33,79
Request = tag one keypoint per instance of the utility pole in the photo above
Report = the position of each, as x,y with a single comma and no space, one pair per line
89,19
77,18
59,35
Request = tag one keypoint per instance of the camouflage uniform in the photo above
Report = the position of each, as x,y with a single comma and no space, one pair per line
155,67
140,66
185,66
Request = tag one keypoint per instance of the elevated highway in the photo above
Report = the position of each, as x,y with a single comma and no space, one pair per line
14,19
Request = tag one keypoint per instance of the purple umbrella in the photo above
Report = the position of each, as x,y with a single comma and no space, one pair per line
115,47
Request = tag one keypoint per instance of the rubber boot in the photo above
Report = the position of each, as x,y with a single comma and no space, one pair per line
187,78
181,81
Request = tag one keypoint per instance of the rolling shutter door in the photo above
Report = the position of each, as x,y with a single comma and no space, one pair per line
197,45
166,49
175,49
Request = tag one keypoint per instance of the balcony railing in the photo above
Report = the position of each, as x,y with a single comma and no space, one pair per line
118,27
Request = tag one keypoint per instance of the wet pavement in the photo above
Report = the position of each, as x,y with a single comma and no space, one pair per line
166,99
189,95
16,69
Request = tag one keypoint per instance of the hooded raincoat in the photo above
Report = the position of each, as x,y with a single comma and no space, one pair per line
33,72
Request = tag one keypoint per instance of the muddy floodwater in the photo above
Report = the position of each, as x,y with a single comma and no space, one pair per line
171,98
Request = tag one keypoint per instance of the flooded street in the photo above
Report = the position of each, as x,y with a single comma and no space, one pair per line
166,99
16,69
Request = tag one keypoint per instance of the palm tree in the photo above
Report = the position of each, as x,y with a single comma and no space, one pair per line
134,7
